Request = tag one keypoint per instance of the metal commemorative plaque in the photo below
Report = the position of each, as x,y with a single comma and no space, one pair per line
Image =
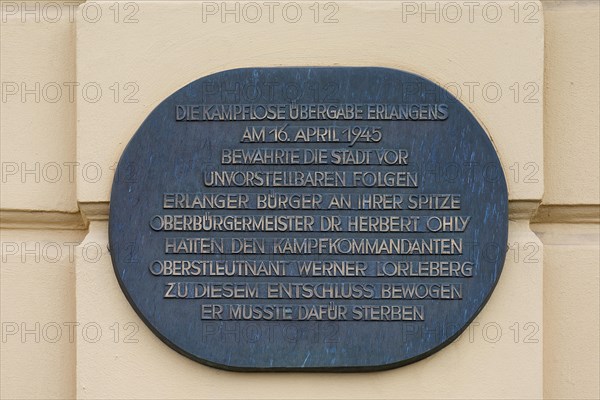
309,219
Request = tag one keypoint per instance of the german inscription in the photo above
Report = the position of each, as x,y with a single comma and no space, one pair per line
309,219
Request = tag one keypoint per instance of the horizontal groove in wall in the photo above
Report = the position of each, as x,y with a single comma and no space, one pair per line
568,214
37,219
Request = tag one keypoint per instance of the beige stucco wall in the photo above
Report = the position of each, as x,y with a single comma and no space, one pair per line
568,218
56,274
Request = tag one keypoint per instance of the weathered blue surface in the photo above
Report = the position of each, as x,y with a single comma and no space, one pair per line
165,156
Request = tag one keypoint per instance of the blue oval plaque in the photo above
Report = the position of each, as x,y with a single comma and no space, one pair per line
309,219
